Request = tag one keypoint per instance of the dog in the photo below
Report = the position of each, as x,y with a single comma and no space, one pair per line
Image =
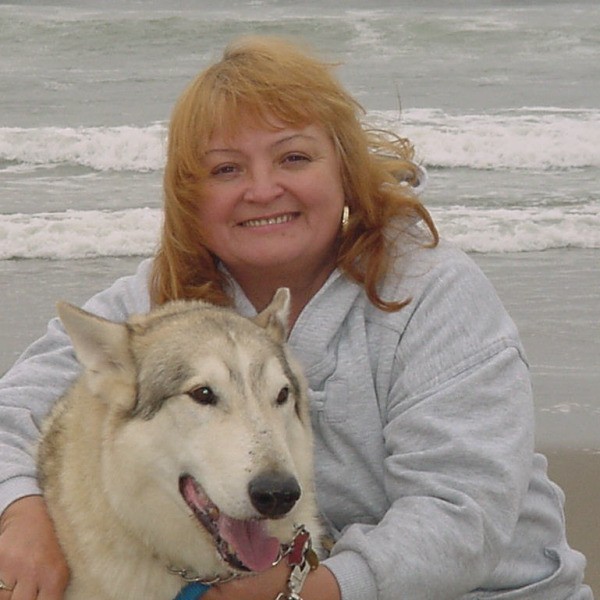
182,452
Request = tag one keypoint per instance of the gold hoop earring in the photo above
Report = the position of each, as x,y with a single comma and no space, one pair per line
345,216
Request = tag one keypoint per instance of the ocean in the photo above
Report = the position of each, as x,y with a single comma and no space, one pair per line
501,99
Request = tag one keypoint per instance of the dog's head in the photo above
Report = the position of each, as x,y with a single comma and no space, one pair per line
205,416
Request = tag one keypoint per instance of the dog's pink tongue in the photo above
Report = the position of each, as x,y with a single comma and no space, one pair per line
253,546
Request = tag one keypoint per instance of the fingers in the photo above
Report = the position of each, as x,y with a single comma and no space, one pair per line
31,560
23,591
50,586
6,587
53,585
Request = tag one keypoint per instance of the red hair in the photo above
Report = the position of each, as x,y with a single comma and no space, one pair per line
259,80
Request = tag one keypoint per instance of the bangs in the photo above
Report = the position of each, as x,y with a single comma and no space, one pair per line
267,84
229,113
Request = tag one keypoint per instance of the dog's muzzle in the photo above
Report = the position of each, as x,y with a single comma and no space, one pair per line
244,544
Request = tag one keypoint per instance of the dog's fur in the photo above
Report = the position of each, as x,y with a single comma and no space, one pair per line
178,412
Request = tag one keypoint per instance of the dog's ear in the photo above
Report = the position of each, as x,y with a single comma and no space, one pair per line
274,318
101,346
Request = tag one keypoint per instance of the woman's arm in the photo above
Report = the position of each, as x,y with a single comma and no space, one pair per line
320,585
27,393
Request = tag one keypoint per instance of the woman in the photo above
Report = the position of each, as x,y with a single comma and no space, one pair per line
420,395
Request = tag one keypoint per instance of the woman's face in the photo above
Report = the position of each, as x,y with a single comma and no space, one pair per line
273,200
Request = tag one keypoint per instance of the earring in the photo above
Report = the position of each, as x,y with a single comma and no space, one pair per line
345,216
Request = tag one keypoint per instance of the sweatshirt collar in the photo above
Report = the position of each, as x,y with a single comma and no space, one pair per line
320,321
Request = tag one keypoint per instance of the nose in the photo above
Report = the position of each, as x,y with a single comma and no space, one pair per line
274,494
262,185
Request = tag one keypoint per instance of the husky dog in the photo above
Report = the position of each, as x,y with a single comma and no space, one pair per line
184,450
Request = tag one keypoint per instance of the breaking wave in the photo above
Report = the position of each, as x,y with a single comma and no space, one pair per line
81,234
544,138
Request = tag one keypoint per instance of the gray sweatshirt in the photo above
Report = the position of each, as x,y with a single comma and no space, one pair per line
423,422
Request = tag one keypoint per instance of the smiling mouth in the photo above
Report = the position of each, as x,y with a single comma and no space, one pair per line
243,544
278,220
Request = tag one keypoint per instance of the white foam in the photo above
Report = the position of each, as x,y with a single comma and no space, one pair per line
520,229
123,148
529,138
79,234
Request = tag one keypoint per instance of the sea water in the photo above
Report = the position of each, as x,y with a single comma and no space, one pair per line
501,100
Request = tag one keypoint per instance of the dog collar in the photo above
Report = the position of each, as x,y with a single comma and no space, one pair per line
192,591
191,578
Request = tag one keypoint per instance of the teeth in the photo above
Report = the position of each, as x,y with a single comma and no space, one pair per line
213,512
269,221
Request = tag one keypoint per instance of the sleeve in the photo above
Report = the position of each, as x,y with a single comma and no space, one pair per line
41,375
458,434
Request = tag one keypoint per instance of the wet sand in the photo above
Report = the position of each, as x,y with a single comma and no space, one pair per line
578,473
553,296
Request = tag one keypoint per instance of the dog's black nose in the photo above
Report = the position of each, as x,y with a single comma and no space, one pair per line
274,494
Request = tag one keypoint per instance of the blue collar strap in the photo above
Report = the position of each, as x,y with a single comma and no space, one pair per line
193,591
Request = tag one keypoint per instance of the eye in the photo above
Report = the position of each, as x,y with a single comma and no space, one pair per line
295,157
203,395
224,170
283,395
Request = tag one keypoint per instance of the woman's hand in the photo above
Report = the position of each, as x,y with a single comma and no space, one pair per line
31,560
320,585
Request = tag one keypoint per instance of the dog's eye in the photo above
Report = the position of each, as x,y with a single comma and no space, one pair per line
283,396
203,395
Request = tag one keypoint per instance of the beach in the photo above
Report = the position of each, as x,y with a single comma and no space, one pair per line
501,102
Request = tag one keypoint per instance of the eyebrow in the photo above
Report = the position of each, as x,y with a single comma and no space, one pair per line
273,145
